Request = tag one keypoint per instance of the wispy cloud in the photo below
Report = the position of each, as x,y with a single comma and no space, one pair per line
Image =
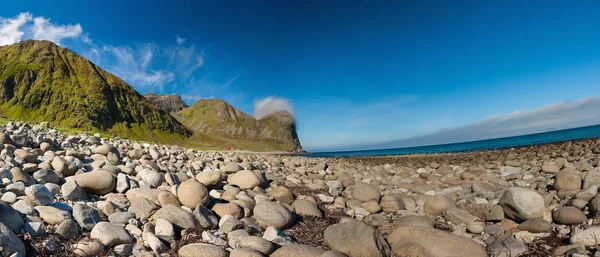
180,40
271,104
44,29
562,115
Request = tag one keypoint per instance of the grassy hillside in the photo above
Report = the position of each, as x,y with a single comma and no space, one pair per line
221,124
40,81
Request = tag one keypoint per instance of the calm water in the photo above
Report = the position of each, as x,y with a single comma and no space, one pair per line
534,139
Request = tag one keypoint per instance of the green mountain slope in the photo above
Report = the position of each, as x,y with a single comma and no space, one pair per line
217,118
41,81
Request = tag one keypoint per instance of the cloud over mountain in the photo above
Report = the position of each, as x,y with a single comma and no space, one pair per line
271,104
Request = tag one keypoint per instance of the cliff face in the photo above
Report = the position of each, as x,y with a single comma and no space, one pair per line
217,117
41,81
169,103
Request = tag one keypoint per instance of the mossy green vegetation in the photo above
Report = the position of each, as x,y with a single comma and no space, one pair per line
40,81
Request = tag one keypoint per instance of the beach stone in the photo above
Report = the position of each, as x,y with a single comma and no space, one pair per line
165,198
110,234
256,243
278,237
201,250
52,215
417,241
98,182
297,250
143,208
459,216
391,204
507,247
165,230
72,191
587,237
10,243
592,178
191,193
356,239
437,204
537,225
281,194
88,248
67,229
209,178
551,168
222,209
245,179
148,193
121,217
365,192
206,218
568,216
39,194
273,214
245,252
86,216
155,243
305,207
107,148
10,217
415,221
62,166
521,204
567,179
25,156
231,167
180,218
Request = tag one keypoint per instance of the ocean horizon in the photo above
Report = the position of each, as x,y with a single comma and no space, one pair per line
487,144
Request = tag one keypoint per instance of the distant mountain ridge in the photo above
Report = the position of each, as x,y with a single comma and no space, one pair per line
217,117
169,103
41,81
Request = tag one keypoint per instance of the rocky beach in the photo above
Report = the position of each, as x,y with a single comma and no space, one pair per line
83,195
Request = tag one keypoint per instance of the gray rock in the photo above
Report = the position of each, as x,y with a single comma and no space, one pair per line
10,243
459,216
72,191
298,250
537,225
122,183
522,204
206,218
39,194
165,230
507,247
155,243
35,229
67,229
120,217
365,192
86,216
568,215
10,217
356,239
278,237
110,234
180,218
273,214
143,208
201,250
305,207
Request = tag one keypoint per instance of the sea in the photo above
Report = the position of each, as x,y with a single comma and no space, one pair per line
489,144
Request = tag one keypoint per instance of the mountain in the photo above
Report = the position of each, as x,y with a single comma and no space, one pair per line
40,81
169,103
216,117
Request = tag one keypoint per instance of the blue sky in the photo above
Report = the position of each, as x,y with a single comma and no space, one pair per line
354,72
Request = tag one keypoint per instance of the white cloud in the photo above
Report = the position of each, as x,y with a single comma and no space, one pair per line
11,29
271,104
133,66
180,40
557,116
43,29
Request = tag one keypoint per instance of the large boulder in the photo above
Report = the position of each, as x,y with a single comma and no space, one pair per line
273,214
365,192
245,179
521,204
98,182
10,243
180,218
192,193
356,239
411,241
